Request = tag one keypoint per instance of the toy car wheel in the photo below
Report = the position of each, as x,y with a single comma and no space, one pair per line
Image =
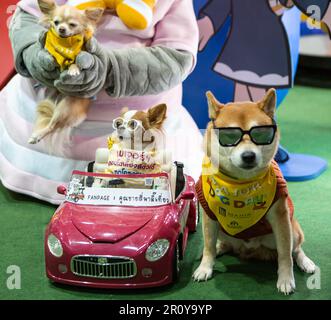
176,263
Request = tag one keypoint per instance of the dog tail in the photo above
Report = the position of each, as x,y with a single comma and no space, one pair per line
56,141
45,109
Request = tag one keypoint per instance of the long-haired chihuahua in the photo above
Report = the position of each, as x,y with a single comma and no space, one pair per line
69,29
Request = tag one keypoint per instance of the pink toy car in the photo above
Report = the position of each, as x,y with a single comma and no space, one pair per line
121,231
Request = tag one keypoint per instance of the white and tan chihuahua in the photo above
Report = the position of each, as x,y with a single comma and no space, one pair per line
139,131
246,206
67,26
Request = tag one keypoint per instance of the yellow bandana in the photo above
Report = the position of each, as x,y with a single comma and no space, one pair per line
65,50
238,205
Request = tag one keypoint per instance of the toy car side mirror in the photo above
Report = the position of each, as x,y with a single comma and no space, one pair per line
62,190
186,195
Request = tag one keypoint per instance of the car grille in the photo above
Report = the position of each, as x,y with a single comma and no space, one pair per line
104,267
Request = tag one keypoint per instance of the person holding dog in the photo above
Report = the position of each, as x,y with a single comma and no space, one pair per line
135,68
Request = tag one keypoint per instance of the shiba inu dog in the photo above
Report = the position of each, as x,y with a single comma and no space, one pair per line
69,29
246,206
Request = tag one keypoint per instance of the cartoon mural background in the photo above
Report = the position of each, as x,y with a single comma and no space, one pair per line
317,11
224,43
245,48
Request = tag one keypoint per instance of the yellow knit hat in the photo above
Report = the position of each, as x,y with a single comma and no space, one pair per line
135,14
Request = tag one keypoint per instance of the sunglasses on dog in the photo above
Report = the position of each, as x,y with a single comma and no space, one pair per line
260,135
131,124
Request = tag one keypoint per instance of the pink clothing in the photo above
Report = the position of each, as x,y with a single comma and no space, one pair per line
32,170
173,26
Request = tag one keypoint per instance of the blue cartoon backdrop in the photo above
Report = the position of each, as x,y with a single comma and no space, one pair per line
245,48
205,78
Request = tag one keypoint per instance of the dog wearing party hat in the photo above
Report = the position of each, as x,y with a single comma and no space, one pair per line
246,206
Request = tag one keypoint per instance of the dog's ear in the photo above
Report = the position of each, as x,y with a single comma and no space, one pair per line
157,115
268,103
124,111
94,14
214,106
47,6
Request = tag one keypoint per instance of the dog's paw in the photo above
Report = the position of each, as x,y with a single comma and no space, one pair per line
73,70
203,273
286,284
307,265
33,140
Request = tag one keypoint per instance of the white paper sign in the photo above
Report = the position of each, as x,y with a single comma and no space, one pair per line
120,197
127,161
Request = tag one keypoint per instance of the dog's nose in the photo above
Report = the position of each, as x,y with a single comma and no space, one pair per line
62,30
248,157
121,129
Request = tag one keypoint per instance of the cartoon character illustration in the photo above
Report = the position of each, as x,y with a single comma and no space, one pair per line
256,55
247,47
319,10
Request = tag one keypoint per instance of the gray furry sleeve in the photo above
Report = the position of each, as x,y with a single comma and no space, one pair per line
146,71
24,31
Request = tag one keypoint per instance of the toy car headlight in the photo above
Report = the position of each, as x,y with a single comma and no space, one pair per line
157,250
54,246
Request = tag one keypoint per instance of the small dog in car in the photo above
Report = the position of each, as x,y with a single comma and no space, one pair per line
137,144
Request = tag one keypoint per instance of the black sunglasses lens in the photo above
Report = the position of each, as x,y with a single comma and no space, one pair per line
263,135
229,137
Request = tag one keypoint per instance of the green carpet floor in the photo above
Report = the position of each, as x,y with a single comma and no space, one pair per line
305,122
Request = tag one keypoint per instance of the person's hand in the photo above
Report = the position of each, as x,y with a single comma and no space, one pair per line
40,63
93,65
206,31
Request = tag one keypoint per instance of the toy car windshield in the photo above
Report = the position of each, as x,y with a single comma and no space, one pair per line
143,190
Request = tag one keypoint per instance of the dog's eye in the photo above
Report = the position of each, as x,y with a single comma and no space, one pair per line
133,124
56,22
117,123
72,25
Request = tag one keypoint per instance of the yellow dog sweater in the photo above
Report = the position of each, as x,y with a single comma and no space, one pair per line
65,50
135,14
